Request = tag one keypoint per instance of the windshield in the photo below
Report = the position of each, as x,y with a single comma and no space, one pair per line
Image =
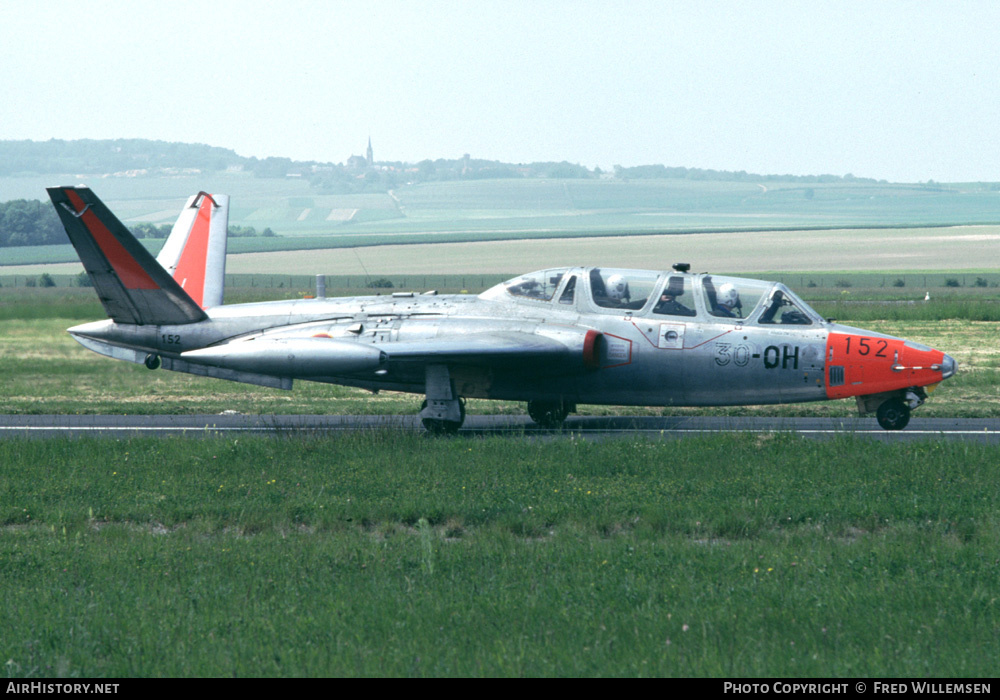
784,308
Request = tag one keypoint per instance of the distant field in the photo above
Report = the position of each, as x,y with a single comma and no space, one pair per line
491,225
305,217
971,248
974,249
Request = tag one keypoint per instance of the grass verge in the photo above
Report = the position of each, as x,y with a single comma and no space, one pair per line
394,554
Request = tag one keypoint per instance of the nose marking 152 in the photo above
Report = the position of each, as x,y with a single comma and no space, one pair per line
864,346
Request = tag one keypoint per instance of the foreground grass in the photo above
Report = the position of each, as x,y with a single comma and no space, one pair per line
394,554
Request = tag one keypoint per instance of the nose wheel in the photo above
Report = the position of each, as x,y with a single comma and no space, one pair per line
893,414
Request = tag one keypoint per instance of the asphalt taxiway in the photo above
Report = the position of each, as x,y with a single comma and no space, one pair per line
46,426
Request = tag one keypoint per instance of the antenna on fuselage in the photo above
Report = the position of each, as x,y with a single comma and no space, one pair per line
682,267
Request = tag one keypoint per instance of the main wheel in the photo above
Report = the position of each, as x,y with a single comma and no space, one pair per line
437,426
548,414
893,414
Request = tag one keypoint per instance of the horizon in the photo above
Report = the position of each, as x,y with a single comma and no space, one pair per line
344,162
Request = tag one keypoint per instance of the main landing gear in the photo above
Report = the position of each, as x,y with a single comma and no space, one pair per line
443,426
549,414
442,412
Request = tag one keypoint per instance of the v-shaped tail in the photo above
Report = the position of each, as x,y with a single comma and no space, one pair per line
133,287
195,252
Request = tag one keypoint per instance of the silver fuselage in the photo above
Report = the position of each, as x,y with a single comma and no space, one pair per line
644,358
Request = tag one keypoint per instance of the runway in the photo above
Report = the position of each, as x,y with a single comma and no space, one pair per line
984,430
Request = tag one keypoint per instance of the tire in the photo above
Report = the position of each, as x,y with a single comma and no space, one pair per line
436,426
893,414
548,414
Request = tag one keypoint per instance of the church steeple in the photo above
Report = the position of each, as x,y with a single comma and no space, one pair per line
371,159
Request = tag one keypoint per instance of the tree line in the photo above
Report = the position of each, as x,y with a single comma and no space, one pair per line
32,222
100,156
29,222
654,172
91,156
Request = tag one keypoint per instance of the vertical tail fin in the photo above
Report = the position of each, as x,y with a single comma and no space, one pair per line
195,252
132,286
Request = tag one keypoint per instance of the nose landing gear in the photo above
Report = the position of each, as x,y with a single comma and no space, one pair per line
893,414
892,409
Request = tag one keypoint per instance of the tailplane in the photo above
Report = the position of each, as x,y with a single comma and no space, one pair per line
132,286
195,251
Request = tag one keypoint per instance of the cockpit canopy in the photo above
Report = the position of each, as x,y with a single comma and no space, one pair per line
659,294
539,285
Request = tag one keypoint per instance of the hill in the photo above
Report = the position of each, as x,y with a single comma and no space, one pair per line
101,157
313,205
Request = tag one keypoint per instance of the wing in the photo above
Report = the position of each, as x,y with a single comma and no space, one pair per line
311,357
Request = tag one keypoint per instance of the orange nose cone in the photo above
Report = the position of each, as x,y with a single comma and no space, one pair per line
858,365
922,363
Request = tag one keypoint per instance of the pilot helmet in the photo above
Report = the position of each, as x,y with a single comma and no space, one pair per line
617,287
727,296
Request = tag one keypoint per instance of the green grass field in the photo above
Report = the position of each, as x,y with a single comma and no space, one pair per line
397,554
394,554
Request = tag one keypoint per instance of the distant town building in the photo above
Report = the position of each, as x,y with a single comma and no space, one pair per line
362,162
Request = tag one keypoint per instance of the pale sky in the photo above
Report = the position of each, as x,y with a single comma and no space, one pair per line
903,91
